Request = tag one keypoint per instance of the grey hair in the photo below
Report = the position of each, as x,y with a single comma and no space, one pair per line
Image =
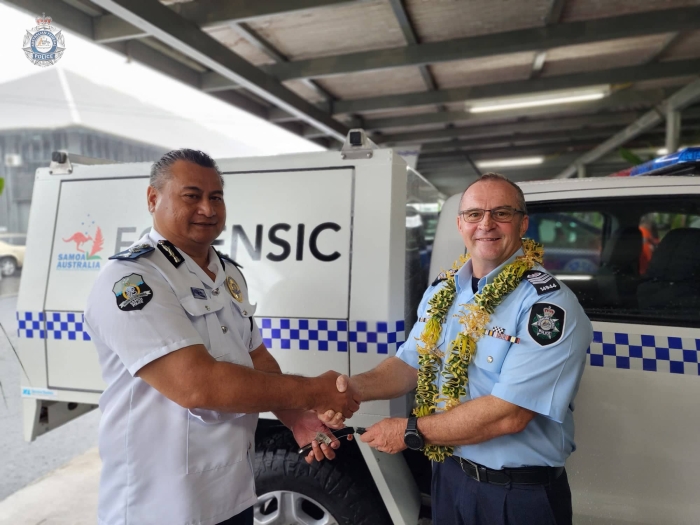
160,171
497,177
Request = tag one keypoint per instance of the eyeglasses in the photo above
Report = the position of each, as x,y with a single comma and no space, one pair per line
500,214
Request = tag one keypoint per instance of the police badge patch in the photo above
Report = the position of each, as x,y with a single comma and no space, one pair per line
132,293
546,323
44,44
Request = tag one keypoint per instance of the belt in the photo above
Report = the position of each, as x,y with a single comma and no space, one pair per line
512,476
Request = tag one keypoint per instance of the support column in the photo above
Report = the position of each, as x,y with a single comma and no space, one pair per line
581,171
673,130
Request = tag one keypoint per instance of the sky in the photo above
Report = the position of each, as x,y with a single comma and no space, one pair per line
107,68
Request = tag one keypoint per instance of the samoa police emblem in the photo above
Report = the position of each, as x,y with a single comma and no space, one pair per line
44,44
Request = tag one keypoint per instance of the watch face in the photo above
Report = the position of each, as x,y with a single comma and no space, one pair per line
413,440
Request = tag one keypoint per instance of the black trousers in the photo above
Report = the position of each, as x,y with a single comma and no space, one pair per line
244,518
458,499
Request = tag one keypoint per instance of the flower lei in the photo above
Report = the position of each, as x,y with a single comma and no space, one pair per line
463,348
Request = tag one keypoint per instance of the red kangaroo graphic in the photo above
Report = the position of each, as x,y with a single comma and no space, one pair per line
78,238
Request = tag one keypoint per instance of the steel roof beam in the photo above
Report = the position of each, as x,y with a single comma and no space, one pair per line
564,137
623,97
167,26
67,17
411,38
556,8
681,99
111,28
620,75
534,39
496,130
257,40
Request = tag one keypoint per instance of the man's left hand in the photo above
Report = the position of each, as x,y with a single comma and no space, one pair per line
305,429
387,435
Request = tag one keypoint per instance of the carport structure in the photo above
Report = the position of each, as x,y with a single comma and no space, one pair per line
413,72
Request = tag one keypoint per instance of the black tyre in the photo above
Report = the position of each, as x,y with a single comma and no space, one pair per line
338,492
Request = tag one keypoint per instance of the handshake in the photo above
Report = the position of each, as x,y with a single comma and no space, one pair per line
333,398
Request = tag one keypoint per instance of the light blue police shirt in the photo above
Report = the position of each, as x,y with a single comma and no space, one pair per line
540,370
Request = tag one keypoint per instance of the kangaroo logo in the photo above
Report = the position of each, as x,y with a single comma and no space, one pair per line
89,241
79,239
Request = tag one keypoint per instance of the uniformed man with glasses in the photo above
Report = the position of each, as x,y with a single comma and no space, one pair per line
498,424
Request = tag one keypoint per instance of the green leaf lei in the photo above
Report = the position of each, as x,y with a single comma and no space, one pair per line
462,349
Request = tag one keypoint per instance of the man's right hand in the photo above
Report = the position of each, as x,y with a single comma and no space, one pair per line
329,398
332,418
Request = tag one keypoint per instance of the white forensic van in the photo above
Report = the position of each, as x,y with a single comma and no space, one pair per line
335,248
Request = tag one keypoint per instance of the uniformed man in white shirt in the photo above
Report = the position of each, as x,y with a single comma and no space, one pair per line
185,366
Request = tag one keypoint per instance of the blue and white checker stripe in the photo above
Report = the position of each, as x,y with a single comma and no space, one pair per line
652,353
304,334
377,337
66,325
30,325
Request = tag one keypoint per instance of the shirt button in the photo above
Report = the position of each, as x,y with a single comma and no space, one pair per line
489,359
224,329
206,307
215,291
245,312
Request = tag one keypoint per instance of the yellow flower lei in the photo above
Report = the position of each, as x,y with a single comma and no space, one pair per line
463,347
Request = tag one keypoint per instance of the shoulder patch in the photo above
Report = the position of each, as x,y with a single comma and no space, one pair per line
546,323
443,277
543,282
132,293
133,253
168,249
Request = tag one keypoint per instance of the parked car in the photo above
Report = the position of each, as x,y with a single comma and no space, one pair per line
11,252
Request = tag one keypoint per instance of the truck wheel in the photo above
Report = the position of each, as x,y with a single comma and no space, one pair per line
338,492
8,266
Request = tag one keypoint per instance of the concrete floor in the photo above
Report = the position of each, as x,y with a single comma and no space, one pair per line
66,496
20,462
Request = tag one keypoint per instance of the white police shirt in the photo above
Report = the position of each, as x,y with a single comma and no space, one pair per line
532,355
161,463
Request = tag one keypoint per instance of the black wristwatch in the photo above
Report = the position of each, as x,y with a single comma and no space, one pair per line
412,437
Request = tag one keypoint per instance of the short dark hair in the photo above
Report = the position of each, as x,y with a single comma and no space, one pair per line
160,171
497,177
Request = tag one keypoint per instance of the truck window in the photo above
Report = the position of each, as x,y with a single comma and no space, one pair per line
627,260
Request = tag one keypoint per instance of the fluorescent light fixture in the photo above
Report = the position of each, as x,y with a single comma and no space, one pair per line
661,151
543,99
567,277
505,163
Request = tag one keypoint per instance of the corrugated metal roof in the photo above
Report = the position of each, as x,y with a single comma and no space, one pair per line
329,31
575,10
437,20
366,54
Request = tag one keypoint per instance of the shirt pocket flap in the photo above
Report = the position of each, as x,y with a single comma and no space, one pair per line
244,307
490,354
198,307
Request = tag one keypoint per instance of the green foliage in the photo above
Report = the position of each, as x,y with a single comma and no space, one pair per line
2,185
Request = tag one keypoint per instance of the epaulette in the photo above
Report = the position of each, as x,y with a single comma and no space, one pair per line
168,249
223,257
443,277
543,282
133,253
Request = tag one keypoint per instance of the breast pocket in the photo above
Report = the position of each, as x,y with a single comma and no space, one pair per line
490,354
203,314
